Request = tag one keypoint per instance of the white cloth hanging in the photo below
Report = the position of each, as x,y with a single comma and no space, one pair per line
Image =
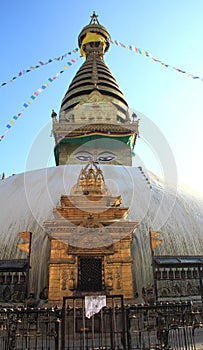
93,304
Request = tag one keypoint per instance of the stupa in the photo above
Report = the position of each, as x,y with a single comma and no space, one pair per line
94,128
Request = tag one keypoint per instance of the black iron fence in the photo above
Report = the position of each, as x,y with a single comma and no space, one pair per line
166,326
162,326
104,330
22,328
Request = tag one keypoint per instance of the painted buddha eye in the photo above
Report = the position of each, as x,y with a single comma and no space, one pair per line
106,157
84,156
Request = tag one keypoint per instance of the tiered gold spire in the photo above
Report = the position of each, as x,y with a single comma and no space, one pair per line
94,107
94,41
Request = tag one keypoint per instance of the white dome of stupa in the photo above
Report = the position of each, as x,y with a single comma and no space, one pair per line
28,199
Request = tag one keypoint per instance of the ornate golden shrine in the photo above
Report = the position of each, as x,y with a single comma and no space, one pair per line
90,241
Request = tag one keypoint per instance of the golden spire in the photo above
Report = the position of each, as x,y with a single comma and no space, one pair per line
94,75
93,102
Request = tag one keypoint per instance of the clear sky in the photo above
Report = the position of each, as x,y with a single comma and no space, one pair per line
172,31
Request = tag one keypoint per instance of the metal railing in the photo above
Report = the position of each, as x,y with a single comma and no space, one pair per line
162,326
22,328
166,326
104,330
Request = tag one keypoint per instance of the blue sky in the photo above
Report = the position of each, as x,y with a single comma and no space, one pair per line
33,31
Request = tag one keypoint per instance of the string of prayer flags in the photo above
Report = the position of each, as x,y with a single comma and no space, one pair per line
145,177
34,96
115,42
148,54
40,64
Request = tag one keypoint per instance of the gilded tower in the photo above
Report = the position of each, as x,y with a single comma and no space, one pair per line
94,111
90,234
